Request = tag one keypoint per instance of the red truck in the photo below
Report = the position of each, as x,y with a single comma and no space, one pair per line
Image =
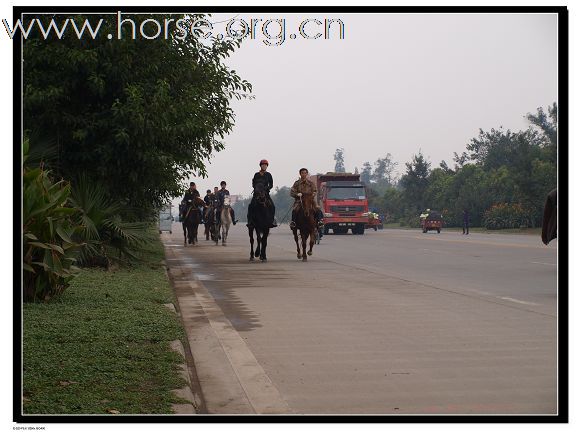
343,199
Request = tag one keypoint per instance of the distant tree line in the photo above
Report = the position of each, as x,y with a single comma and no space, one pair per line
502,179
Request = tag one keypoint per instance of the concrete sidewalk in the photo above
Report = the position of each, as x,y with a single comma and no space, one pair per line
323,337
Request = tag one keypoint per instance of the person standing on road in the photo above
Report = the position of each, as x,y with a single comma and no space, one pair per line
550,218
465,221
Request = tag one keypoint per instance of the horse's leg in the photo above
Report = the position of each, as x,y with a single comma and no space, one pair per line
194,232
312,240
184,234
312,235
295,231
303,236
258,243
226,230
251,232
190,232
264,244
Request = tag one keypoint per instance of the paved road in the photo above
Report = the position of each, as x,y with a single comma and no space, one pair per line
392,322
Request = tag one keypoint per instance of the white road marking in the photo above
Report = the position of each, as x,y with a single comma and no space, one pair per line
517,301
547,264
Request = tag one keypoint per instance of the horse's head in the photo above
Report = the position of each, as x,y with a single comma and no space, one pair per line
260,194
227,201
307,202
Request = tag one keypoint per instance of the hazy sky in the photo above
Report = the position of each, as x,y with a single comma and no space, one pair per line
395,84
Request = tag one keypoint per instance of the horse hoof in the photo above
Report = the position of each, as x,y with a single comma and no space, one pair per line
305,259
299,256
264,260
309,252
251,258
223,244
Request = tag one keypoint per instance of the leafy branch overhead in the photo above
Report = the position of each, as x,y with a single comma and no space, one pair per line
136,116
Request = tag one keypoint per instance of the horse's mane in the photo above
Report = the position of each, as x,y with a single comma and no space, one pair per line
307,204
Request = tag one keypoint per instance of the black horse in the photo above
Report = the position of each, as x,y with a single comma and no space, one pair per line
211,223
259,220
191,218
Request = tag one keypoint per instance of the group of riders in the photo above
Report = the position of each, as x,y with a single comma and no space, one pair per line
215,200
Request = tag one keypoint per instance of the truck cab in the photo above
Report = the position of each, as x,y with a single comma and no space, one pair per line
344,202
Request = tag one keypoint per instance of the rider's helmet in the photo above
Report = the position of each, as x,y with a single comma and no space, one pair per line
264,162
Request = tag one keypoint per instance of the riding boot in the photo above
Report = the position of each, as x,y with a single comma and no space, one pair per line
293,223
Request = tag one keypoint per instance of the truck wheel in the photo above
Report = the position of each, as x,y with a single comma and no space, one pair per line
376,228
325,229
438,230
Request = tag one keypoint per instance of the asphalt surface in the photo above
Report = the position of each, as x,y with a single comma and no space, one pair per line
391,322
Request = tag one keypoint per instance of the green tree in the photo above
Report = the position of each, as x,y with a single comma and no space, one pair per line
136,116
392,204
366,172
546,122
384,168
414,183
283,202
339,160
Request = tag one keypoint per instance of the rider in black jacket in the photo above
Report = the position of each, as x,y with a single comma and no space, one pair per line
265,178
191,193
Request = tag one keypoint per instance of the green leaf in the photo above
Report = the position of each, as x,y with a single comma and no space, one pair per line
40,245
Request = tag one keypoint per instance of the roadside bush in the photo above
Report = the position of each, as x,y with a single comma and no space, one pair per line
504,215
107,235
48,231
410,221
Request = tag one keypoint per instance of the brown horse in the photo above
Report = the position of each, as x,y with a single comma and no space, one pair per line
306,223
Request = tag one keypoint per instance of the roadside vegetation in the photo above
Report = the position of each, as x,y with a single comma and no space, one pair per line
102,347
111,129
502,179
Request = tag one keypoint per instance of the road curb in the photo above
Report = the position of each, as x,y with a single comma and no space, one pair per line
230,378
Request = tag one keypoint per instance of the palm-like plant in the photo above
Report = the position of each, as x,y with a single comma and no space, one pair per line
49,251
107,236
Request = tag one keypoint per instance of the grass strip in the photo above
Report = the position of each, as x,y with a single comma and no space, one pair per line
103,346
